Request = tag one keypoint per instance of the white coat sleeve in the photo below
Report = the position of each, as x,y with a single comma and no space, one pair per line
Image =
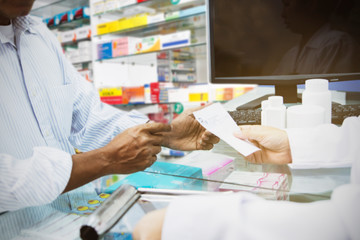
245,216
31,182
325,146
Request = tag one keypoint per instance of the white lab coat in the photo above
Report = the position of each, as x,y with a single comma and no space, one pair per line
246,216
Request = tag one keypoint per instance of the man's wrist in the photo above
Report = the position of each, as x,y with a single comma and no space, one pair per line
87,167
103,161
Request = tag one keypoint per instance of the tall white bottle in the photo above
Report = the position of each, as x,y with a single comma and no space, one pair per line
276,112
317,93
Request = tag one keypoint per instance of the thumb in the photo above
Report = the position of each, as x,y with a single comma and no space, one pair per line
250,132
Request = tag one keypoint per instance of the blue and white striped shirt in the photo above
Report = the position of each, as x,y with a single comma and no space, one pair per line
47,109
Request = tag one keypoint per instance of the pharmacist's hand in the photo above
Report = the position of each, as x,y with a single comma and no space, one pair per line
150,226
135,149
273,142
187,133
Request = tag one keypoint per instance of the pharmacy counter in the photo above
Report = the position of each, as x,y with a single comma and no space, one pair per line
221,170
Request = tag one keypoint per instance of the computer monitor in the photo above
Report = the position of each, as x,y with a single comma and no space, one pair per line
283,42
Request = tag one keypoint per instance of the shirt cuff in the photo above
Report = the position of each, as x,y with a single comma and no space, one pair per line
48,173
310,148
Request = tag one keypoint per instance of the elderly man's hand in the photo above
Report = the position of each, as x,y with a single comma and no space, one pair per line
187,133
135,149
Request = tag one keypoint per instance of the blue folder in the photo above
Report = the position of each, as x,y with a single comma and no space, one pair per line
161,175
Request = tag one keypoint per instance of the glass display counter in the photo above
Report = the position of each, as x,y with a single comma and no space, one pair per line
158,185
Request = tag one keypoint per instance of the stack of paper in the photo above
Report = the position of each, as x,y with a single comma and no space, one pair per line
214,166
267,185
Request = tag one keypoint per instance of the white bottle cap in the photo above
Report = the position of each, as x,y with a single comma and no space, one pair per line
316,85
275,101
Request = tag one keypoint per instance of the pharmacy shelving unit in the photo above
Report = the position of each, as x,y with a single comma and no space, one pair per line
137,42
73,30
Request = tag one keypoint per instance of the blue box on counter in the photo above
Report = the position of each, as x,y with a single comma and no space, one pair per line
164,175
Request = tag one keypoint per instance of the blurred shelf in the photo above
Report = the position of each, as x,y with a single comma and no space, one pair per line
178,23
157,5
183,69
75,42
140,103
165,61
194,45
120,11
57,7
180,15
72,25
194,81
83,62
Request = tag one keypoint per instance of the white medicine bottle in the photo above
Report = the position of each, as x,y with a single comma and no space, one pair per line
275,112
317,93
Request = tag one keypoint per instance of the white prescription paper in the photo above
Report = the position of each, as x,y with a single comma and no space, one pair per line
219,122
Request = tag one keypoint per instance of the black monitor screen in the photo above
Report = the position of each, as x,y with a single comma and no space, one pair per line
283,41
